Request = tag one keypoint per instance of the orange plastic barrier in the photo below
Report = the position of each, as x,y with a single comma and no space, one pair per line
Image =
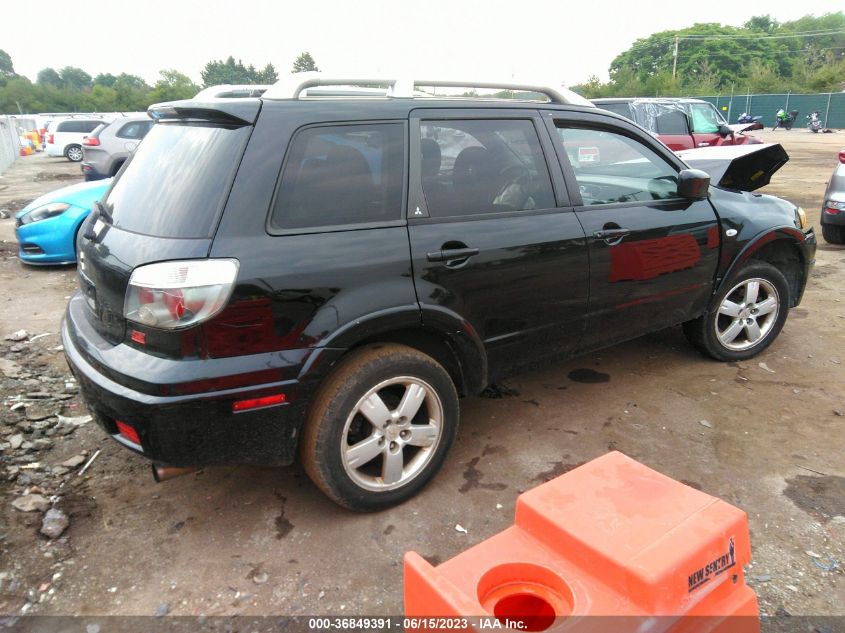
611,538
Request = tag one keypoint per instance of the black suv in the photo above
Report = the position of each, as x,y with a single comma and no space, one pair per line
328,276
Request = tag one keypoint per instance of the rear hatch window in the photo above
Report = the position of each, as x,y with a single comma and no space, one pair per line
177,181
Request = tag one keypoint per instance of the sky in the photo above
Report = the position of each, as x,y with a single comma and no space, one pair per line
552,42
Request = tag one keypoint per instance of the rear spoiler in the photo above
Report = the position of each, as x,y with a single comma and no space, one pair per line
231,111
743,167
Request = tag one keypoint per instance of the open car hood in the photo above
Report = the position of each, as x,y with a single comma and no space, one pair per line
738,128
743,167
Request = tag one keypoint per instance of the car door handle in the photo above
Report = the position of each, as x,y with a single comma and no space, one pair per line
451,254
611,235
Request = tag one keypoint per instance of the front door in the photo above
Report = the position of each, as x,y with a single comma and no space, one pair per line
653,255
493,241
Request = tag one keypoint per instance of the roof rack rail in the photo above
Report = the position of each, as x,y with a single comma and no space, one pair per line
296,85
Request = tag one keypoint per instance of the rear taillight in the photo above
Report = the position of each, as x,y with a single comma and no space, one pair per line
91,141
842,156
834,208
180,294
50,139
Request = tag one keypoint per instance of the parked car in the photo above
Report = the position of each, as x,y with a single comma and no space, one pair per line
240,303
833,212
46,228
106,148
65,137
680,123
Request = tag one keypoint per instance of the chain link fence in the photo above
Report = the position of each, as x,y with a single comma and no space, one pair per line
829,105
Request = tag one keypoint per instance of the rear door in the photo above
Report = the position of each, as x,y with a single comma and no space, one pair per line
494,241
653,255
673,128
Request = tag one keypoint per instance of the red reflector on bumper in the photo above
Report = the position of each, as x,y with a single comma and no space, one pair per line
128,432
139,337
256,403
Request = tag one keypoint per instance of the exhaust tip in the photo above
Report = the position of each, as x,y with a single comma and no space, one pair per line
163,473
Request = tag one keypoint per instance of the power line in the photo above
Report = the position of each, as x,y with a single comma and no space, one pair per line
724,36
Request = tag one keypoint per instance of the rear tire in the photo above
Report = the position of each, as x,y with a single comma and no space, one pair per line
380,427
745,317
833,234
73,153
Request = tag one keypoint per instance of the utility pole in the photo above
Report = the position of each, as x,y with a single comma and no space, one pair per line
675,58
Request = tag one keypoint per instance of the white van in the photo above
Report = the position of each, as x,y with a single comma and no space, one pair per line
64,138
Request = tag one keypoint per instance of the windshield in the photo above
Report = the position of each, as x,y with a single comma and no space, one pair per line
705,118
178,180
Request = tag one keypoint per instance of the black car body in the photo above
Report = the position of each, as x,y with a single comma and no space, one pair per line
383,251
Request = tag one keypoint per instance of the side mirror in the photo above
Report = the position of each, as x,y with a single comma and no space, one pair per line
725,131
693,184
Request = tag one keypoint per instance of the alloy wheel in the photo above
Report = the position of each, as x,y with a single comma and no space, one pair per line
747,314
392,433
75,154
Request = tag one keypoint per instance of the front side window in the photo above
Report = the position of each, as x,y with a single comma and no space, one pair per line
611,167
705,118
342,175
483,166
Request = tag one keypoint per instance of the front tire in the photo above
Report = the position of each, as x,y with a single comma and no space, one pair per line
745,317
380,427
73,153
833,234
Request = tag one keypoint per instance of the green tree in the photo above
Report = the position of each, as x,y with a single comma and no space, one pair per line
75,78
172,86
7,69
49,77
267,75
304,63
106,80
219,72
20,95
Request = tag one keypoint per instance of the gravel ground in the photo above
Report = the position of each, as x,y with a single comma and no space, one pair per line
257,541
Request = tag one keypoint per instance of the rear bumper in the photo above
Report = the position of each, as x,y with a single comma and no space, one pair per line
186,430
833,219
92,172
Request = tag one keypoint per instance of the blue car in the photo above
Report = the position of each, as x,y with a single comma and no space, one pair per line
46,228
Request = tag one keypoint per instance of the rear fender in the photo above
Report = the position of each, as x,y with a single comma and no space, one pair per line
403,325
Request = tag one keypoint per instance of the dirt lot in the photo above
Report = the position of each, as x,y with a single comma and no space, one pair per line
265,541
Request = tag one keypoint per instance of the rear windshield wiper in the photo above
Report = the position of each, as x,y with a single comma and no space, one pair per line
102,212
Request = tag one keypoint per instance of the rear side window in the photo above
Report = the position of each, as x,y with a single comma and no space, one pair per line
178,180
671,122
80,127
341,175
483,166
135,130
622,109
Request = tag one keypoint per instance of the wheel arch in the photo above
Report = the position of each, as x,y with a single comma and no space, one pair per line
443,336
782,249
